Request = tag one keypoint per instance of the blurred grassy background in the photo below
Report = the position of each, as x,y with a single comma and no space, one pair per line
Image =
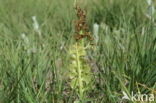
32,65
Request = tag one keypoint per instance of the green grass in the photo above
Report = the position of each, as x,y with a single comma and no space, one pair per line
35,71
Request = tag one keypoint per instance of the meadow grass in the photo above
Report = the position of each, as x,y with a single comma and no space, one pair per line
33,65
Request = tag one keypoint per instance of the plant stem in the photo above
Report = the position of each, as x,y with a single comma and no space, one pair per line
79,72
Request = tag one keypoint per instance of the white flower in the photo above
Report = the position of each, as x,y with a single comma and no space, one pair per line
149,2
96,31
36,25
150,9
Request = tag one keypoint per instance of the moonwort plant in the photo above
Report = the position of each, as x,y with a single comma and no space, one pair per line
81,78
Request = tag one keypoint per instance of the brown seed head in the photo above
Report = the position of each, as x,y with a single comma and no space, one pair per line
81,27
